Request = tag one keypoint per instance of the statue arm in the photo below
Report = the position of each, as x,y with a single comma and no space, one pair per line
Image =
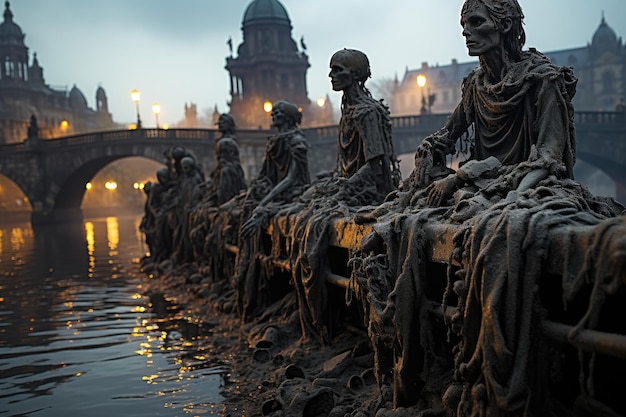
430,157
297,173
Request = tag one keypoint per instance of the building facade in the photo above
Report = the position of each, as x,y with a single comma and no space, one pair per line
24,93
268,67
600,67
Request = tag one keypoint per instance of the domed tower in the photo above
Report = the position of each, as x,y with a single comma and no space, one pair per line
604,40
268,67
604,75
102,103
13,52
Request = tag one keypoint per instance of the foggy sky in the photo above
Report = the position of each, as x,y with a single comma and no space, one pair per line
174,52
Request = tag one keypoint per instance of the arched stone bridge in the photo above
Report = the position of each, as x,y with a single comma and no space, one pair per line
53,173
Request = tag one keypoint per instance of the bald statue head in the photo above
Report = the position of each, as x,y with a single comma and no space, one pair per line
353,61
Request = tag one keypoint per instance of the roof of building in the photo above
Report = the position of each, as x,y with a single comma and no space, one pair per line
10,32
264,12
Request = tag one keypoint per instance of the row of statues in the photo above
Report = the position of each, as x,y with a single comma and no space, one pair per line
507,201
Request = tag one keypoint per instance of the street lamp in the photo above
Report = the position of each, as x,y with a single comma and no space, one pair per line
135,96
421,82
156,109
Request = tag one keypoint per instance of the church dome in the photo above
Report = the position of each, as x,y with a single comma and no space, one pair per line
77,99
266,12
10,33
604,38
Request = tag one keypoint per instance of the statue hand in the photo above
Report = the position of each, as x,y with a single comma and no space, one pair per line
423,163
441,190
251,226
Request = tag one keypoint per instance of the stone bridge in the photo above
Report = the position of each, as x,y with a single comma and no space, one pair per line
53,173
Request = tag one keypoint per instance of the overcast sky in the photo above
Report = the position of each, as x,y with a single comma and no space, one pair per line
174,51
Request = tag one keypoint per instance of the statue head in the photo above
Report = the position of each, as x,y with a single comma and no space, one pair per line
187,164
348,62
163,175
226,123
285,113
508,19
227,150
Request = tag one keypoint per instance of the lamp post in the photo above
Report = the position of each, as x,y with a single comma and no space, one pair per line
421,82
135,96
156,109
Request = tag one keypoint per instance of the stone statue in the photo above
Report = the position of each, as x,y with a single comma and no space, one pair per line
188,180
154,221
33,129
506,202
367,170
365,148
226,181
283,176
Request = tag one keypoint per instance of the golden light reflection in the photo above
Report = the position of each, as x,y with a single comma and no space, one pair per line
88,186
91,241
17,238
113,233
1,236
267,106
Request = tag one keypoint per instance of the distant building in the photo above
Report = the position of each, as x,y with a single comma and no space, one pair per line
24,93
268,67
600,67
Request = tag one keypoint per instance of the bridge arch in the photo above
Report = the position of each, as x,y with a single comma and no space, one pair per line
12,196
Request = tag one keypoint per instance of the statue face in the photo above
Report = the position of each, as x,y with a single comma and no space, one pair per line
278,117
479,29
340,76
187,166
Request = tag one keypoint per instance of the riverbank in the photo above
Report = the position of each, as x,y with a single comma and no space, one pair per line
273,371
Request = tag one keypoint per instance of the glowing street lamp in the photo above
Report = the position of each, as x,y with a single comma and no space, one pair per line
421,82
156,109
267,107
110,185
135,96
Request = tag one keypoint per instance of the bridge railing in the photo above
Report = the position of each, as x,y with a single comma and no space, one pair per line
430,122
600,118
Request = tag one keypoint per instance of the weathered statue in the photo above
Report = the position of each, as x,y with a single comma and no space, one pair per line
226,181
283,177
188,180
507,203
365,148
155,220
367,170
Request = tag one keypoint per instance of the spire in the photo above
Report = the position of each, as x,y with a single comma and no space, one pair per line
8,16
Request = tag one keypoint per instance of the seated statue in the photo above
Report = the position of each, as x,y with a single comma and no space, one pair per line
226,181
367,171
505,200
283,176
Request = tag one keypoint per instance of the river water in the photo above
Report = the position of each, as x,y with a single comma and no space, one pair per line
79,335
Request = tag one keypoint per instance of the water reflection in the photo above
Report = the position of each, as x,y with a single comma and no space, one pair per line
78,333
